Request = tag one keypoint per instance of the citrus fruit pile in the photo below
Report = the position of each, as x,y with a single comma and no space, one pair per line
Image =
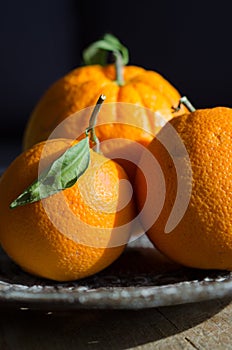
67,209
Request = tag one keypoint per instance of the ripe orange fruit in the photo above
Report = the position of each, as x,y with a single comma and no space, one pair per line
81,87
73,233
194,162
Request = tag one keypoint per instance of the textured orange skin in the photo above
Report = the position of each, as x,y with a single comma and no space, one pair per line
81,88
31,239
203,238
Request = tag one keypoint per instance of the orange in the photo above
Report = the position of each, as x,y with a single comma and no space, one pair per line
74,233
201,237
150,92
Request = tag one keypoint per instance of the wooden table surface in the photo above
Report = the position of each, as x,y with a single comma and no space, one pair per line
206,325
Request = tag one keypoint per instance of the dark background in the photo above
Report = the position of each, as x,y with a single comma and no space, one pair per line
189,43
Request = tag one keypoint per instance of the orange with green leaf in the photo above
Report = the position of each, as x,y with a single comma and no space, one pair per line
72,220
121,83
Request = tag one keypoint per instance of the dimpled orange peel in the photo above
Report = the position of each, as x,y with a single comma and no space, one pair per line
202,235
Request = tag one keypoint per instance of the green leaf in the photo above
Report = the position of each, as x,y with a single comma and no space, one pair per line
63,173
111,39
96,53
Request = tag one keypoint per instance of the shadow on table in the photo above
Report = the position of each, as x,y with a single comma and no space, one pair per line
101,329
